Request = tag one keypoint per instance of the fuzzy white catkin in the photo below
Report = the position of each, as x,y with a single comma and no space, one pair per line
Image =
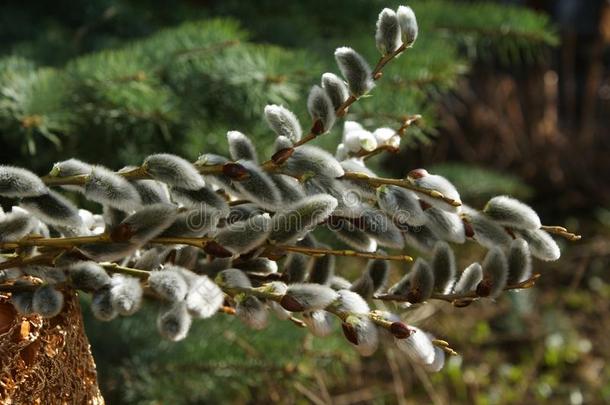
363,286
151,191
511,212
233,278
125,294
541,244
445,225
174,323
339,283
438,362
350,302
319,322
381,227
47,301
283,122
495,271
53,209
168,283
358,140
290,189
421,281
252,312
258,187
387,34
355,70
443,267
418,347
519,262
173,170
408,24
335,88
383,135
106,187
366,334
362,189
260,265
296,267
279,311
440,184
70,167
107,252
149,222
355,238
309,297
193,223
349,126
282,142
401,205
312,159
320,107
16,225
17,182
323,269
204,297
469,279
204,197
22,301
88,276
294,223
51,275
243,236
101,305
486,232
241,147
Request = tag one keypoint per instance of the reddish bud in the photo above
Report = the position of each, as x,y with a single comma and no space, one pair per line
282,155
289,303
235,171
417,173
217,250
468,230
121,233
318,127
400,330
484,288
350,333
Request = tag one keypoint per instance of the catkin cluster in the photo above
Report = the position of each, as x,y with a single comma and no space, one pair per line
236,234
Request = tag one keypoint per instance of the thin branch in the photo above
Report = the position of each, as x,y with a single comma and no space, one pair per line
561,231
317,252
463,297
378,181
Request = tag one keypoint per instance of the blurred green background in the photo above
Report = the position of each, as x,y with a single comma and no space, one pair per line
515,98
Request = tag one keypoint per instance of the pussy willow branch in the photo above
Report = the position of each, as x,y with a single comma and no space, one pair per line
378,181
342,109
139,173
344,252
383,148
200,242
261,292
469,296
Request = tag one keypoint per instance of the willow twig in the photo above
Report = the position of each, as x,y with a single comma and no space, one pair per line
456,298
317,252
561,231
378,181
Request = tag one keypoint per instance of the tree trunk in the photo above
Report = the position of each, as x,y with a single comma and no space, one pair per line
46,361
